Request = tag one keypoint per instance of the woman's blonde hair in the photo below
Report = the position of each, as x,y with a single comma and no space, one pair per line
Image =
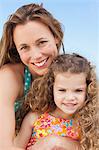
30,12
41,99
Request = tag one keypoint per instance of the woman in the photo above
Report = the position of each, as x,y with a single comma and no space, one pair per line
31,39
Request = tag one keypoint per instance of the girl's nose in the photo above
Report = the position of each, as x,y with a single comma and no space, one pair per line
69,96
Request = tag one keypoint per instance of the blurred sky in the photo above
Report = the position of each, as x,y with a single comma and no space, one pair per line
79,19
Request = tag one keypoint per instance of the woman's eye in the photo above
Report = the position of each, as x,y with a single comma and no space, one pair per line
23,48
41,43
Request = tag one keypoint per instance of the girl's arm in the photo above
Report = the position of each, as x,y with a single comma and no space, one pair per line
53,142
22,139
12,148
10,87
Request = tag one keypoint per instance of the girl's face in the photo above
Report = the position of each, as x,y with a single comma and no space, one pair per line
36,46
69,93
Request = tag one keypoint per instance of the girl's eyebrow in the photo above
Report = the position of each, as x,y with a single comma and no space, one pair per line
60,87
81,87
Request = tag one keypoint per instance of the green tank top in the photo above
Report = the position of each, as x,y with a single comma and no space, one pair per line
27,84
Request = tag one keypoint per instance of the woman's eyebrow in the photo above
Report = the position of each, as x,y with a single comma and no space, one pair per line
21,45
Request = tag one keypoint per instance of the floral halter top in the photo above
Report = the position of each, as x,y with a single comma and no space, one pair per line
49,125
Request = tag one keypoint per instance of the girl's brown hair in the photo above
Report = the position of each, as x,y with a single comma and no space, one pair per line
30,12
40,98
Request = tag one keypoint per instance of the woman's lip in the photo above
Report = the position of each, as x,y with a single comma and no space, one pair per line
41,63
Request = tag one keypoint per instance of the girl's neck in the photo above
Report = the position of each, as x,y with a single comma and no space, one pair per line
60,114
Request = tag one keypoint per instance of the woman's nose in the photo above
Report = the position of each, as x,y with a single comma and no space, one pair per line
35,53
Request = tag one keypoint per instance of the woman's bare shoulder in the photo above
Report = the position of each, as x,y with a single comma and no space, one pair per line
12,68
11,79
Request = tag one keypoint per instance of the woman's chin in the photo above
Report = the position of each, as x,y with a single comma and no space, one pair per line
39,72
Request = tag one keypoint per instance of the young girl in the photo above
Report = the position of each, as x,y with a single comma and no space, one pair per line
63,103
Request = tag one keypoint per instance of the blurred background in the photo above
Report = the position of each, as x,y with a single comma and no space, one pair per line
79,19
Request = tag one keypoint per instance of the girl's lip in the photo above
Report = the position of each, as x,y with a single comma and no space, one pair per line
42,63
70,104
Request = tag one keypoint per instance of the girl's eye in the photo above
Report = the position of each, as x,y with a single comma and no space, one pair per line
79,90
62,90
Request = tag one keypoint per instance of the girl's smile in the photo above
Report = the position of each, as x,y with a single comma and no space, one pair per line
69,92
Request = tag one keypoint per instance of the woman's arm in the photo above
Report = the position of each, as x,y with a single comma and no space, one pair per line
10,84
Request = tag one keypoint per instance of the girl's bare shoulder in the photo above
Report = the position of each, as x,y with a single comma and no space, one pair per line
31,117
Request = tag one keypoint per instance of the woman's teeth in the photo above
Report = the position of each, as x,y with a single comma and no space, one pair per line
40,64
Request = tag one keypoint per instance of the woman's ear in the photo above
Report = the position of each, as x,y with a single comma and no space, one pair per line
56,41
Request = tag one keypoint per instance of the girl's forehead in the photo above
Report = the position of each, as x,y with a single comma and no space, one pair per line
70,78
68,73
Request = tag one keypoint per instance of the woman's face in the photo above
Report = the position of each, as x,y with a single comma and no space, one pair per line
36,46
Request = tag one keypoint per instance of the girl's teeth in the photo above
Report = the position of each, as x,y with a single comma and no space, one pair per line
41,63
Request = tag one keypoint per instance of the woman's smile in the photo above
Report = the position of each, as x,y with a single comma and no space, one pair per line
36,46
41,64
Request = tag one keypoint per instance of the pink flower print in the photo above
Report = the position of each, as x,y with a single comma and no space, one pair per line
45,124
56,128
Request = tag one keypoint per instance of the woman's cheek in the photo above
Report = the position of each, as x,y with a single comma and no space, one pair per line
51,50
24,58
